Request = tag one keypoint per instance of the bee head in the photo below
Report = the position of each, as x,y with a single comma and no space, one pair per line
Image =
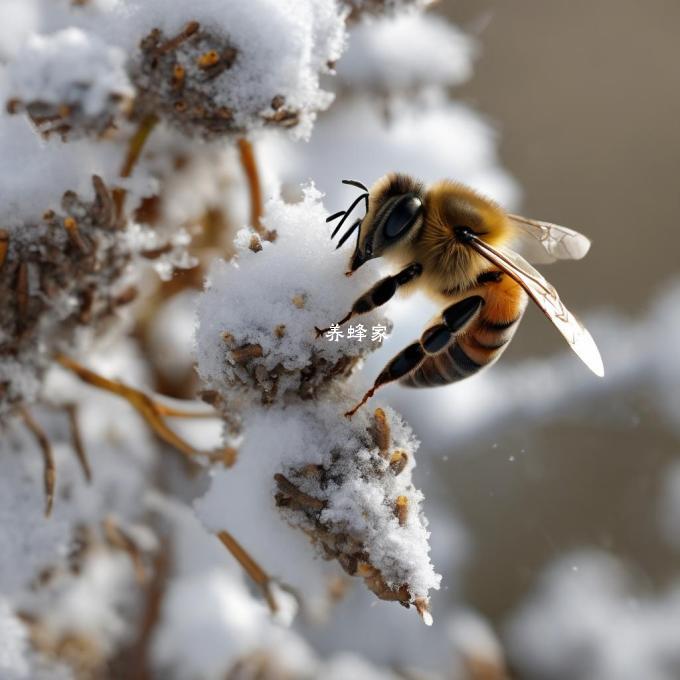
394,217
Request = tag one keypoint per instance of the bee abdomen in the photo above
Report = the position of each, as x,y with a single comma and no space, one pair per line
448,366
467,354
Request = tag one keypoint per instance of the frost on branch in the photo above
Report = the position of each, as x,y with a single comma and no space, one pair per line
346,485
215,68
70,83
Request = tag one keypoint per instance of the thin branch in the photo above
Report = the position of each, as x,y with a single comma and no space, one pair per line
249,164
135,147
120,539
77,440
49,473
137,143
251,567
150,410
4,245
168,411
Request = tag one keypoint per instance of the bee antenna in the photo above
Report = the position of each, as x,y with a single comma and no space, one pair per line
335,216
348,233
355,183
363,197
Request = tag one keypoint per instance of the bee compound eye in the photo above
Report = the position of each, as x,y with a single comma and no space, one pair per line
403,215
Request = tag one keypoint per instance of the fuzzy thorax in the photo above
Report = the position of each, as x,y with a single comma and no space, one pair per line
449,264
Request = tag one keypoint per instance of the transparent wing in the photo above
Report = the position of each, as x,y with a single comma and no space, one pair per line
547,299
543,242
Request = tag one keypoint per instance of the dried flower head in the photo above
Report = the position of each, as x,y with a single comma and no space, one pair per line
256,339
56,276
229,71
362,511
176,78
70,83
346,485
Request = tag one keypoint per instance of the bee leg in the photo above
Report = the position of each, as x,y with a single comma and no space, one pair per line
379,294
433,340
406,361
458,316
454,319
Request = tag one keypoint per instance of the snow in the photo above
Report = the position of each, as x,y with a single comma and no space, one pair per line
428,137
347,665
228,626
18,18
548,385
362,8
311,493
585,622
438,54
293,284
47,170
13,645
278,49
117,446
474,639
90,602
669,506
71,69
285,441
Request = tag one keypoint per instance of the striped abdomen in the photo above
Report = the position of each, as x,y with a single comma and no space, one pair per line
483,340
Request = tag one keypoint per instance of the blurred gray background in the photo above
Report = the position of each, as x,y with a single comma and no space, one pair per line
586,99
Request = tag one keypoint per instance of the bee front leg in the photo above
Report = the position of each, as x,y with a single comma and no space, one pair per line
433,340
378,295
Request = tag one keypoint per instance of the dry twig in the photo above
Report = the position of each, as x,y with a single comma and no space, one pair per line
252,568
135,147
77,440
152,412
50,474
249,163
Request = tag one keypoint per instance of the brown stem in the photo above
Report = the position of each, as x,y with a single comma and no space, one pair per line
251,567
120,539
135,147
49,474
151,411
249,164
4,246
77,440
133,662
22,295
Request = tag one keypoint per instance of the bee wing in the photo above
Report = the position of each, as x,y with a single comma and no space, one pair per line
547,299
543,242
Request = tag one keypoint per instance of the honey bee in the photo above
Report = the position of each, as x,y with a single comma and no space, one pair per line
466,252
